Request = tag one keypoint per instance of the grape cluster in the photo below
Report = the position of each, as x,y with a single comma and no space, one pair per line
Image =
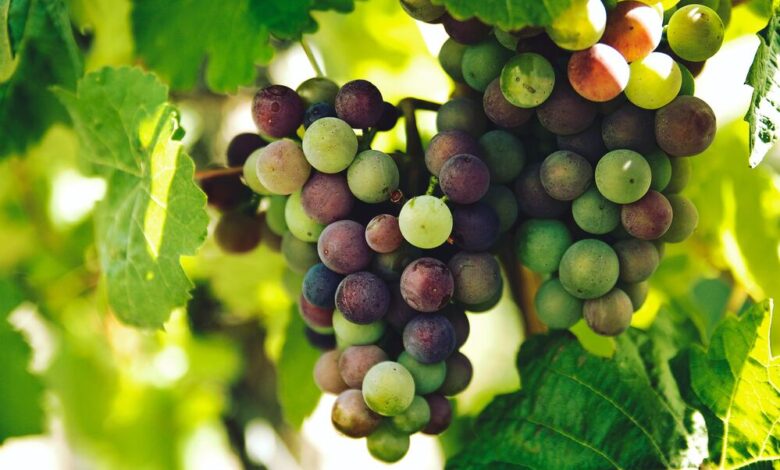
590,121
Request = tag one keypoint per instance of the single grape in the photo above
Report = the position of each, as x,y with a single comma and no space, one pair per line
414,418
441,414
320,319
352,417
504,155
503,202
610,314
482,63
241,147
587,143
598,73
623,176
330,145
661,168
429,338
477,277
427,285
464,179
318,90
359,103
681,174
579,26
470,31
237,232
459,374
541,244
388,388
629,127
298,254
685,127
460,322
648,218
565,112
474,226
389,266
282,168
423,10
355,361
638,259
321,341
298,221
226,192
320,284
387,443
633,29
500,111
637,293
565,175
427,377
451,59
589,269
594,213
326,198
446,145
555,307
506,39
316,112
463,114
250,174
533,200
695,32
688,86
527,80
277,111
362,297
275,214
425,221
372,176
655,81
383,234
352,334
487,305
342,247
326,373
684,221
389,119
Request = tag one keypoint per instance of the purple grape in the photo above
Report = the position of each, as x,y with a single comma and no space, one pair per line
685,127
389,119
363,298
500,111
355,362
427,285
648,218
237,232
565,112
441,414
475,227
446,145
459,374
629,127
225,192
317,111
319,286
533,200
342,247
321,341
383,234
318,318
399,313
326,198
587,143
241,147
360,104
429,338
277,111
470,31
464,179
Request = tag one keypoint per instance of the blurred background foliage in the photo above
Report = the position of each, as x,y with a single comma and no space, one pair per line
197,394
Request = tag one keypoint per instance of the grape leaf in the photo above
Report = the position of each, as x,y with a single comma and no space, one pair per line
764,112
37,50
509,15
233,37
21,393
297,392
152,212
580,411
738,381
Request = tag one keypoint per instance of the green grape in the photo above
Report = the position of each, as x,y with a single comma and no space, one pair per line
250,174
681,173
504,155
695,32
318,90
541,243
274,215
414,418
427,377
483,62
589,269
506,39
685,218
688,86
661,168
504,203
462,114
352,334
388,388
299,255
373,176
579,26
637,293
387,443
425,221
623,176
555,307
330,145
451,58
654,82
594,213
527,80
298,222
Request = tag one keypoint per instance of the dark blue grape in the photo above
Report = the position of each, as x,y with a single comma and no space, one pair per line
318,111
429,338
475,227
320,284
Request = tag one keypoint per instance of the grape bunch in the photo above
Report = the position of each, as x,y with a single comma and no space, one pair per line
591,122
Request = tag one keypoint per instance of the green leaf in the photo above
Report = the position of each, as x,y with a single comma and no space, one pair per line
37,50
232,37
738,380
764,112
153,212
509,15
21,394
296,390
580,411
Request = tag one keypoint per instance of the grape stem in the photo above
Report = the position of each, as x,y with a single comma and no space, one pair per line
432,182
366,138
312,60
217,172
523,285
414,147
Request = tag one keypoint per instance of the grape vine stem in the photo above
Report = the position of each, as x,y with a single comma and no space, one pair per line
312,60
523,285
217,172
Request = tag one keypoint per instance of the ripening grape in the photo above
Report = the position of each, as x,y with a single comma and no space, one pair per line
250,174
352,334
427,377
237,232
636,292
298,221
633,29
362,297
648,218
282,167
414,418
475,227
429,338
459,374
695,32
629,127
427,284
388,388
441,414
527,80
594,213
504,155
470,31
326,373
351,416
504,204
330,145
320,319
462,114
684,220
655,81
326,198
241,147
661,168
298,254
387,443
565,175
555,307
623,176
446,145
685,127
541,244
587,143
355,362
383,234
423,10
579,26
319,285
318,90
372,176
565,112
532,199
477,277
681,173
638,259
425,221
598,73
359,103
451,59
342,247
389,119
482,63
277,111
589,269
610,314
464,179
500,111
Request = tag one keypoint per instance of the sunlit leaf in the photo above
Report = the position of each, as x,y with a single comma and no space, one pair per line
507,14
298,394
